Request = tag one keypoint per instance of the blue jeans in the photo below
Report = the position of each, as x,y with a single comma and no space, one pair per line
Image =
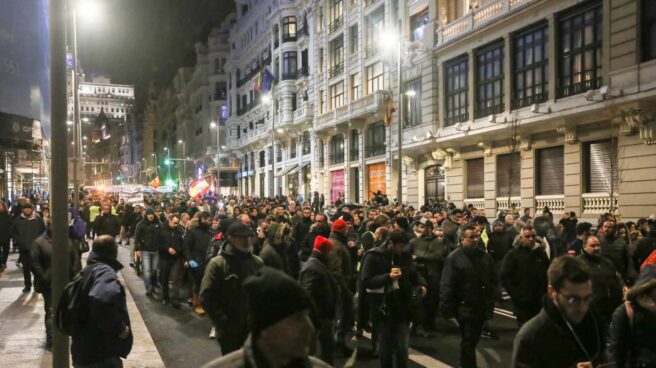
393,343
149,262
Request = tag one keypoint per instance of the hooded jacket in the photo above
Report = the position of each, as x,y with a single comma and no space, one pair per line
524,275
547,342
606,285
99,339
275,252
632,342
42,261
147,234
26,229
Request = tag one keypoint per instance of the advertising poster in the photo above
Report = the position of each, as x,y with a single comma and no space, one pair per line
376,175
336,184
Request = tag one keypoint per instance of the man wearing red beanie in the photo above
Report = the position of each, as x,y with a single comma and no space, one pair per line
319,283
341,267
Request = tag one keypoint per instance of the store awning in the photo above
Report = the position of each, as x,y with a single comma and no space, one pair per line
301,167
286,170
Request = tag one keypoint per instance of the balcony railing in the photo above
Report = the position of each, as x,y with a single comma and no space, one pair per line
456,119
336,24
575,89
370,51
220,96
597,203
369,103
556,203
289,75
289,38
478,203
302,112
354,154
529,100
335,70
304,71
476,19
502,203
375,150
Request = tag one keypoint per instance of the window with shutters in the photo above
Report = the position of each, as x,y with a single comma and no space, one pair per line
475,178
508,175
601,166
456,88
581,34
550,171
489,80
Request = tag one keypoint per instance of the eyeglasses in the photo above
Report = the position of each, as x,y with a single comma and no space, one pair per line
577,300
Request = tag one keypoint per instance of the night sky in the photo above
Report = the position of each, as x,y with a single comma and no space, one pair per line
139,41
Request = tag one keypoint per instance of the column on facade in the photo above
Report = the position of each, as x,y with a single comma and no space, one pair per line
455,183
553,57
528,178
490,184
364,184
573,183
344,131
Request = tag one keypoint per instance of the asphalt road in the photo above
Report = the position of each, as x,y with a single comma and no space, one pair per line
182,337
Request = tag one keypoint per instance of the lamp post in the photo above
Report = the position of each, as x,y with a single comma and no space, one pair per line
184,161
214,125
168,162
155,163
268,99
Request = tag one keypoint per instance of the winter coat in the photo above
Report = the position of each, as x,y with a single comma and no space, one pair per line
170,238
320,284
429,251
107,224
25,230
643,248
42,262
617,251
524,275
546,342
387,302
450,234
196,242
130,222
300,234
99,339
499,244
632,344
469,285
5,227
340,265
221,291
147,234
606,285
276,256
246,357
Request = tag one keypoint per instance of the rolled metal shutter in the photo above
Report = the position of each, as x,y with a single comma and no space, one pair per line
600,167
551,171
475,178
508,175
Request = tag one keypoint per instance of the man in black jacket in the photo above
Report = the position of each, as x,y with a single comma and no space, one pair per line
321,286
606,284
564,333
25,229
390,279
106,222
222,293
145,240
42,268
5,235
468,290
170,253
450,227
617,250
301,231
428,256
106,335
195,250
524,275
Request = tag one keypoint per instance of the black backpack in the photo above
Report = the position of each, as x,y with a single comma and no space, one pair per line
72,312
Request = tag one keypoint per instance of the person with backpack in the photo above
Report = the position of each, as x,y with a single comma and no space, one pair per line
103,336
42,268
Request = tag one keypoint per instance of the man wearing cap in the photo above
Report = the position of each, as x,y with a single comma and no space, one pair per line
25,229
320,284
222,293
146,247
341,267
429,259
281,330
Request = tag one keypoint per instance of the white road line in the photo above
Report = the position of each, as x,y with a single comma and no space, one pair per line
505,313
420,358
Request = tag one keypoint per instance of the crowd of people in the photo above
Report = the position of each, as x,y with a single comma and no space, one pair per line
281,279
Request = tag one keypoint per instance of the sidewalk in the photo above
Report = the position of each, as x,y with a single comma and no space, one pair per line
22,334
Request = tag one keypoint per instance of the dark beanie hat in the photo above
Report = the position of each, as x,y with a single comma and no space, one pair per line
347,217
272,297
150,211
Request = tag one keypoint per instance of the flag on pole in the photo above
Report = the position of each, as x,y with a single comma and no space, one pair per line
257,82
199,188
267,81
155,182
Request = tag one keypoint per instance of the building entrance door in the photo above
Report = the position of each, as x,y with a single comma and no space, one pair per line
434,185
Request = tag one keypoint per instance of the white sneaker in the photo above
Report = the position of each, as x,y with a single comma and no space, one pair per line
213,333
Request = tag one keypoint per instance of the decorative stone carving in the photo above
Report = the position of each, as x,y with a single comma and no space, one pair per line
443,19
525,143
410,163
439,154
454,153
645,121
487,148
569,133
448,162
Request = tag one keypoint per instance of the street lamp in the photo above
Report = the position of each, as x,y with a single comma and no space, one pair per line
168,163
268,99
184,160
388,40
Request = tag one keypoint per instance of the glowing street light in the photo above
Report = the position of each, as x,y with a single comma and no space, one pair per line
411,93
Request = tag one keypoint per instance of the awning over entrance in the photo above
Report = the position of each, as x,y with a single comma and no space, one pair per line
286,170
301,167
